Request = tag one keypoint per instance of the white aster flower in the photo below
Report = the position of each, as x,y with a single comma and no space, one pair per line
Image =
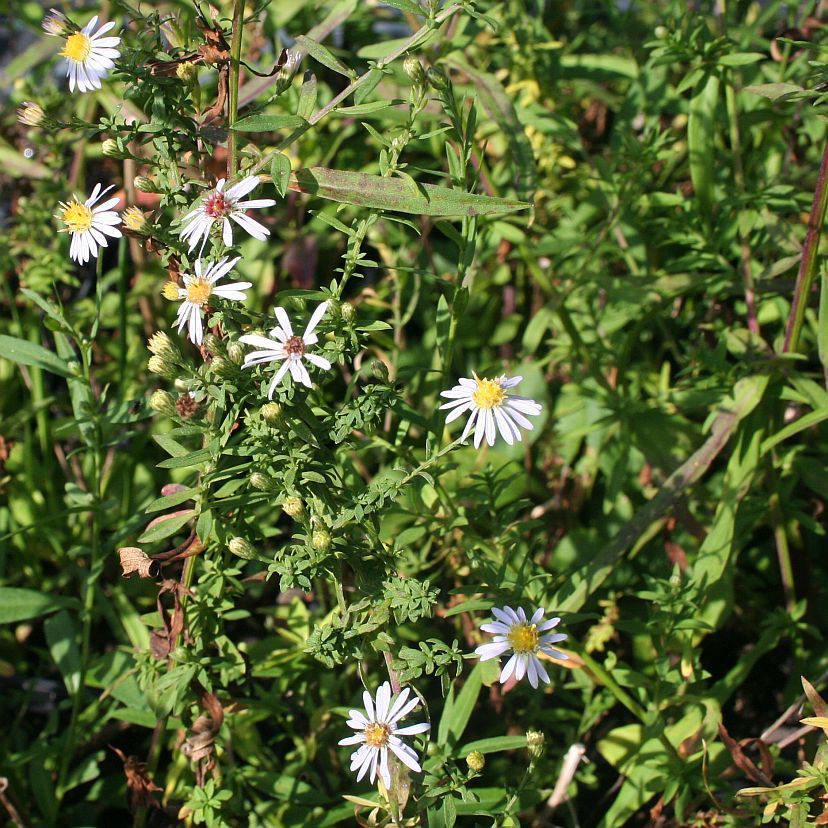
220,205
88,56
525,639
492,408
197,290
289,347
379,733
89,225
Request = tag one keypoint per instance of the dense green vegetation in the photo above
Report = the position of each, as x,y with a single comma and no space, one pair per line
620,203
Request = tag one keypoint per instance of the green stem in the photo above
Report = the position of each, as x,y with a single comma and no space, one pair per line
233,92
95,562
809,262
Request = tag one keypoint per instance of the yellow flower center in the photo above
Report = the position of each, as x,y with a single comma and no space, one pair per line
488,394
376,734
78,47
198,291
523,638
77,217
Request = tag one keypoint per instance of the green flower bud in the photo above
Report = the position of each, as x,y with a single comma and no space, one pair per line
135,220
271,413
348,311
380,370
476,761
31,114
293,506
261,482
159,343
534,743
235,352
213,345
161,365
222,367
144,184
242,548
110,148
438,79
162,402
414,69
321,540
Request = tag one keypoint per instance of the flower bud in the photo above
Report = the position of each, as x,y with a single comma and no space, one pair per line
292,506
162,402
144,184
31,114
242,548
261,482
235,352
135,220
56,24
160,365
534,743
321,540
222,367
213,345
271,413
170,291
187,71
111,149
348,311
414,69
438,79
159,343
380,370
476,761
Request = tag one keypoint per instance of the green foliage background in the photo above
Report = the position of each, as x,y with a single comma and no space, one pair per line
669,504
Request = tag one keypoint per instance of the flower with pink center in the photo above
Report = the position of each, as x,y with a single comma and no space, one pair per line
289,347
221,205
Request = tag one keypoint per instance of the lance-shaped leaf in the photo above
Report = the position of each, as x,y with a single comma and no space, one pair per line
397,194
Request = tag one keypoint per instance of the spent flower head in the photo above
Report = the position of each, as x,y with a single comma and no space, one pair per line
492,408
56,24
31,114
378,733
525,639
289,347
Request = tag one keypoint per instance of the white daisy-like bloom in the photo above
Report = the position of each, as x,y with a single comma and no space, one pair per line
197,290
492,408
89,225
289,347
525,638
379,731
88,56
220,206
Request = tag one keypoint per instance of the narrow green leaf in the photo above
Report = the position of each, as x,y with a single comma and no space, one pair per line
822,325
168,501
807,421
280,172
30,353
493,745
701,132
407,6
172,447
778,91
62,636
268,123
374,191
458,709
192,459
167,527
324,56
741,58
23,604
